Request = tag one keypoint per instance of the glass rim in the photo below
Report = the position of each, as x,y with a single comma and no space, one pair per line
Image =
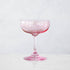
33,20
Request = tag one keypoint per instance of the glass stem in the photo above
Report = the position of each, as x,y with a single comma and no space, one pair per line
34,48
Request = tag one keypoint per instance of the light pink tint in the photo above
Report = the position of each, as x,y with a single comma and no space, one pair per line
35,27
35,57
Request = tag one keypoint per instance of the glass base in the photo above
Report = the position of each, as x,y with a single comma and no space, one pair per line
35,57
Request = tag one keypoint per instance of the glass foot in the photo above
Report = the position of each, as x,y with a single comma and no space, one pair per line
35,57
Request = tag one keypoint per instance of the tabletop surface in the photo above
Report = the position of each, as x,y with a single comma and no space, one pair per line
16,62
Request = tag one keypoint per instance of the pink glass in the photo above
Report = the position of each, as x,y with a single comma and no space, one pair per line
35,27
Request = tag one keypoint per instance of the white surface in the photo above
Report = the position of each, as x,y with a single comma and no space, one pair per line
16,62
55,40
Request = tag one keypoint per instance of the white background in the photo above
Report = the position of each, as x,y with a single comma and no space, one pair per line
16,62
55,41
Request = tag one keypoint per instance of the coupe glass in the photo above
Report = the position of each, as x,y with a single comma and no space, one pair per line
35,28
